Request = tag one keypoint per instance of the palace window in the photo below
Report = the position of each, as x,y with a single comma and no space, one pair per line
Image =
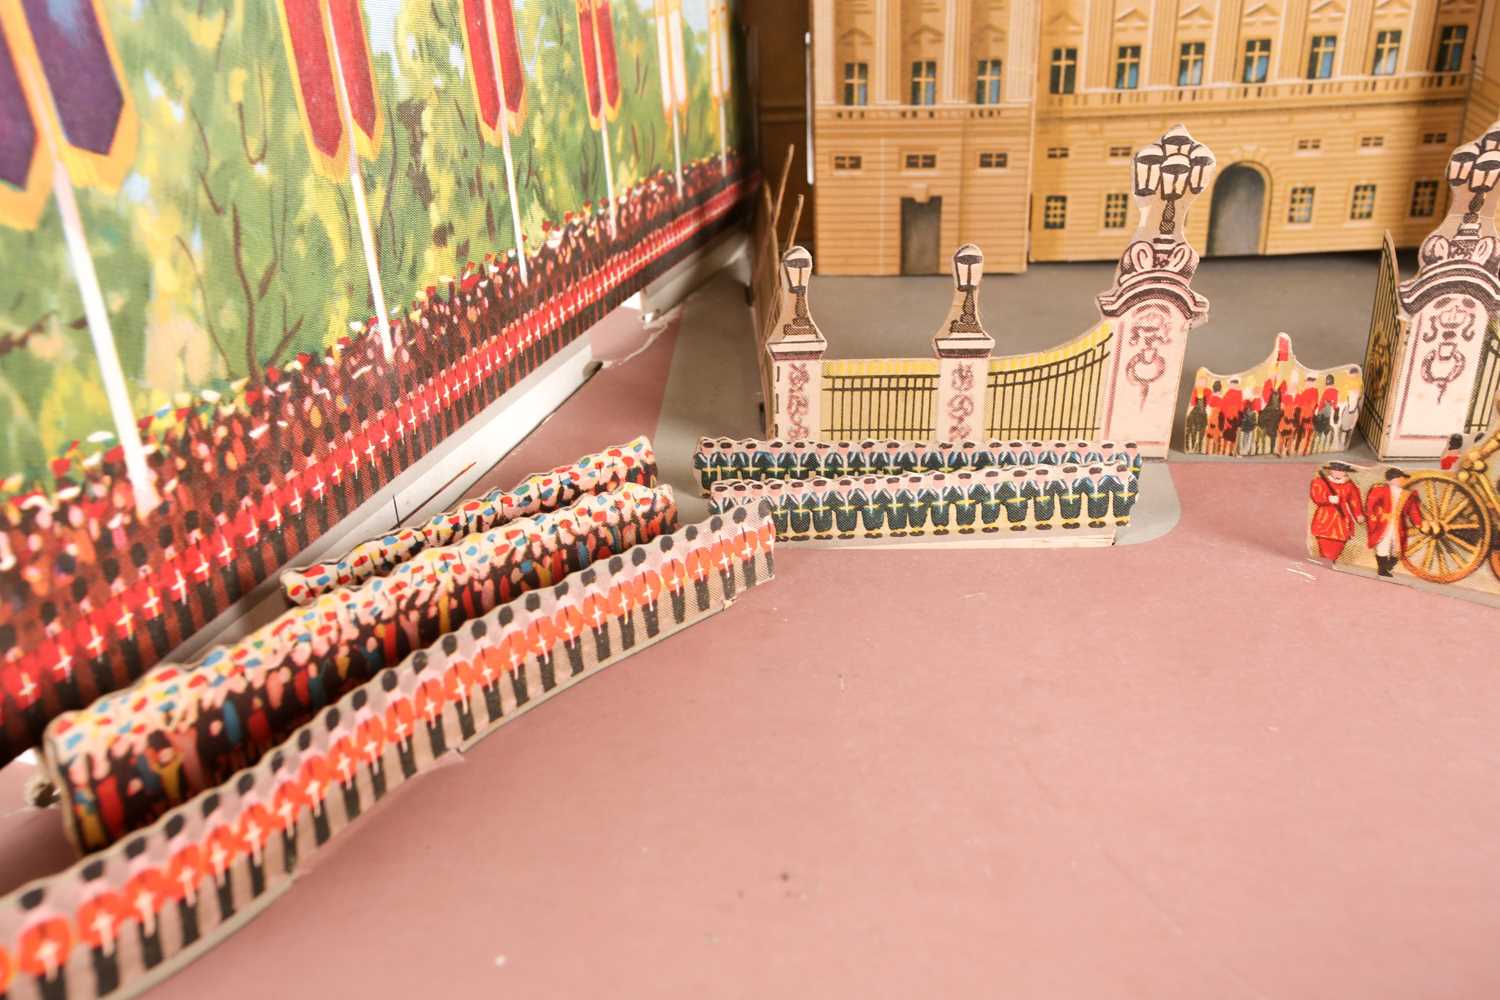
1434,138
1424,199
1190,64
1257,60
1055,211
1057,152
1116,209
1119,152
1450,54
1387,53
987,82
1362,205
924,81
1064,75
1320,56
847,162
994,161
1128,67
1309,144
921,161
1372,142
856,83
1300,207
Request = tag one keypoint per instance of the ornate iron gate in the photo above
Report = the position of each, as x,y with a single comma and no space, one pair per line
1488,382
1056,396
1380,350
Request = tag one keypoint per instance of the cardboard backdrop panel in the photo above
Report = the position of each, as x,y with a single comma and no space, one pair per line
261,257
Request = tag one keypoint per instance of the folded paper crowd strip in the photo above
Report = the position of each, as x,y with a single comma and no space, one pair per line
823,491
1279,407
634,462
1436,528
116,920
179,730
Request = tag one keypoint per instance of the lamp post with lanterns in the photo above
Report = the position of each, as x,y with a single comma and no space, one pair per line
1151,307
1448,307
796,348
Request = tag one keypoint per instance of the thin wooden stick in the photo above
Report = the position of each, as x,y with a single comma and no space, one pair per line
791,234
786,172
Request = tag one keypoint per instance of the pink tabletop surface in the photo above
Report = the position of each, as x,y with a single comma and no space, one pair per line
1197,767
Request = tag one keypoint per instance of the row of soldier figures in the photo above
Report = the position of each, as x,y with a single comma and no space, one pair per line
723,459
1035,498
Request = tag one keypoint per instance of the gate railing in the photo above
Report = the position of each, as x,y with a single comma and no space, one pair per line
1480,404
1380,350
1049,394
879,398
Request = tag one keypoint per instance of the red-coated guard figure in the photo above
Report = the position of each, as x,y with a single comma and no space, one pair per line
1385,529
1338,508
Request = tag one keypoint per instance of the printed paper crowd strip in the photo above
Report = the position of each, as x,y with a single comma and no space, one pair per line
113,923
634,462
1031,505
128,757
724,460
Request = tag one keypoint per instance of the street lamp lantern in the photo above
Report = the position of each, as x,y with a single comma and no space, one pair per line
1486,171
965,261
1461,165
797,265
962,334
1148,169
968,269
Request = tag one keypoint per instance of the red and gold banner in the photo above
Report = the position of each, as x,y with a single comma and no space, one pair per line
326,42
596,44
60,77
493,90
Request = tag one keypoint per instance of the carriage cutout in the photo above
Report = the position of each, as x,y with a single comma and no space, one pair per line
1451,517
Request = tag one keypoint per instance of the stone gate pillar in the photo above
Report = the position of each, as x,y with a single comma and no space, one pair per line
963,350
1448,306
1151,306
796,348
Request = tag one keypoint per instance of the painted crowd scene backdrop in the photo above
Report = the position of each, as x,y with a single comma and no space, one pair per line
262,256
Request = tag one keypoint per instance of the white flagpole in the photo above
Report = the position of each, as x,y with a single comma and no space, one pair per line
357,182
510,168
609,173
668,92
677,150
719,79
126,431
723,140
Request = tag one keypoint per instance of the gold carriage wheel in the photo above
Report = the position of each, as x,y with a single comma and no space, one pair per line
1448,529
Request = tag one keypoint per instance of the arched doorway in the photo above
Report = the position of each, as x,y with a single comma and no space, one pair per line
1237,212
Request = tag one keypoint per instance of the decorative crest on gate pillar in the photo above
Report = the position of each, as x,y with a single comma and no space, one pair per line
1151,304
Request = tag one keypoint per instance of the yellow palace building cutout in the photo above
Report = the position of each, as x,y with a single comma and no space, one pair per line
1012,123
